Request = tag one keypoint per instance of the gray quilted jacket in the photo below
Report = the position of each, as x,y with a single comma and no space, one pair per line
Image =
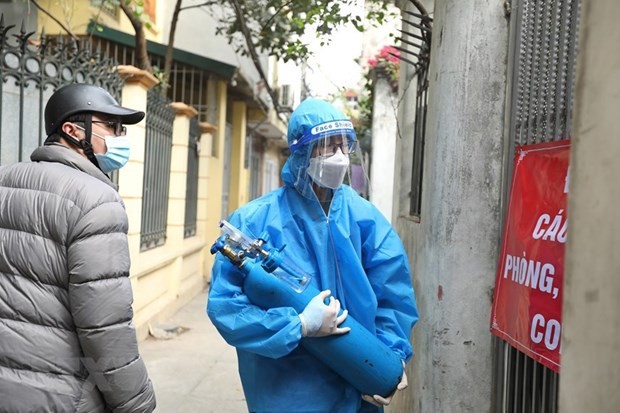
67,343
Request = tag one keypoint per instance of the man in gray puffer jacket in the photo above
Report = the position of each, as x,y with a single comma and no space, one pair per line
67,343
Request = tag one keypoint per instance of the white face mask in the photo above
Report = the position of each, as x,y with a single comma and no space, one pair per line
117,154
329,172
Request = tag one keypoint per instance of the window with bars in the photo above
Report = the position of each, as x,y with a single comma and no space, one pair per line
544,36
191,188
158,150
255,190
188,84
271,177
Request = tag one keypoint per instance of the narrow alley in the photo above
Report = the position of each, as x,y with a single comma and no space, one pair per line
194,371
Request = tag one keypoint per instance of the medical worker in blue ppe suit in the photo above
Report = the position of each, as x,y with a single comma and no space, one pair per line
354,257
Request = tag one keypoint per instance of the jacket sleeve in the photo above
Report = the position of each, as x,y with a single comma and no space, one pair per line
100,301
272,333
387,268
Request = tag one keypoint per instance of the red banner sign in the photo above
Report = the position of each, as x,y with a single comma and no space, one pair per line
527,306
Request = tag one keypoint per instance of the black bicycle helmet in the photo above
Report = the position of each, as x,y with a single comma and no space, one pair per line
81,97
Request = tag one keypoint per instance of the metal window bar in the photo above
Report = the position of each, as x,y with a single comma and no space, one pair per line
541,111
191,187
158,151
417,33
526,386
32,68
546,65
418,142
188,85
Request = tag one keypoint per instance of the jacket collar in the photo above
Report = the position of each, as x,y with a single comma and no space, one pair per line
57,152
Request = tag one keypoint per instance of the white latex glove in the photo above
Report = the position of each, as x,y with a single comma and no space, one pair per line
319,319
380,401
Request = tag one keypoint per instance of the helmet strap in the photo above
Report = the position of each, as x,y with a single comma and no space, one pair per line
84,144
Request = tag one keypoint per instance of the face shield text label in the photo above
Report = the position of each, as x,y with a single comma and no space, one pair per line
342,125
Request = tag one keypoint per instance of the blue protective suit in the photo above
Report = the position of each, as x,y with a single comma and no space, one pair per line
352,251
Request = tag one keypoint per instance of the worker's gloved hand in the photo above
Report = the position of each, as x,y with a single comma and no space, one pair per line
319,319
380,401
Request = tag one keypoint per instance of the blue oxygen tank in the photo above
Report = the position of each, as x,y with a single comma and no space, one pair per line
358,356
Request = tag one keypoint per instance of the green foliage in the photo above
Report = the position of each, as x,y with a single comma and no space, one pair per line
162,76
137,7
278,26
388,61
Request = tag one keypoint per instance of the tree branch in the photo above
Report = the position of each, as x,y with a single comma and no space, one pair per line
254,54
170,46
275,14
193,6
58,22
141,53
101,6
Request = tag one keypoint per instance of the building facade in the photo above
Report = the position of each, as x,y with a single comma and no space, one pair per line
482,80
210,142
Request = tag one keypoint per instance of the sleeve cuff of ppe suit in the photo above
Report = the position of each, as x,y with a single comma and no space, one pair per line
303,325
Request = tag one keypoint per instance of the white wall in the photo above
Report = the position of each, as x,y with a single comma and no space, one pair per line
383,147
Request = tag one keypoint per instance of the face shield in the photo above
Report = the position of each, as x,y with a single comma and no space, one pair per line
356,176
329,162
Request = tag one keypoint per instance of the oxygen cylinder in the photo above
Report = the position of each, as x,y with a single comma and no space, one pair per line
357,356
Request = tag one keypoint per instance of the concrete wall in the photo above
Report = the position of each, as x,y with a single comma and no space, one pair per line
453,248
590,376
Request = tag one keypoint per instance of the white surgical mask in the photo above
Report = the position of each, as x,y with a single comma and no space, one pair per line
329,172
117,154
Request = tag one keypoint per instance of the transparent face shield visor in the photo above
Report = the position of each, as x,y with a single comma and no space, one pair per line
357,176
328,146
332,161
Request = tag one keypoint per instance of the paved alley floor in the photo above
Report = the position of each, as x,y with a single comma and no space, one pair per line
195,371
